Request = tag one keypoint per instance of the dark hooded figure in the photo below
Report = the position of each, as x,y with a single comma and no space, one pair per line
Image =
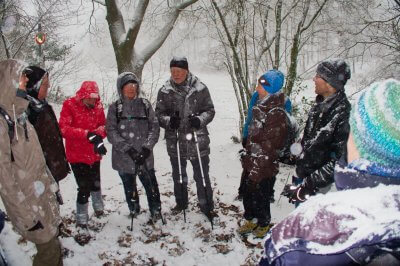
133,130
42,117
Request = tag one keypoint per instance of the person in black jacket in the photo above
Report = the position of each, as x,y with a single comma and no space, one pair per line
325,134
42,117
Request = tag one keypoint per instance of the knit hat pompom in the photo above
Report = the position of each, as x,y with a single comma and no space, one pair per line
375,123
272,81
336,72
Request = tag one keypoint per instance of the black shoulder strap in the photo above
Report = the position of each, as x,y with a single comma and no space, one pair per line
118,110
10,123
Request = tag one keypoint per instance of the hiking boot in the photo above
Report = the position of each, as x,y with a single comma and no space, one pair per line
177,209
98,214
261,231
133,214
82,237
247,227
211,215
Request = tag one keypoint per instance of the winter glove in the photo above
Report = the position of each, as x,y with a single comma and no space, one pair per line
244,142
132,152
100,148
174,121
297,194
98,144
59,198
2,218
37,226
194,122
93,138
142,156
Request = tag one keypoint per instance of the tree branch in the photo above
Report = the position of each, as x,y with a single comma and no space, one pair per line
133,31
165,31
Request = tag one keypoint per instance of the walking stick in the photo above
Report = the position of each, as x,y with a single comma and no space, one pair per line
202,176
180,170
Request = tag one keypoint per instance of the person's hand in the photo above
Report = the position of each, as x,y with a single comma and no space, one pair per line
93,138
59,198
297,193
98,144
194,122
244,142
142,156
37,226
174,121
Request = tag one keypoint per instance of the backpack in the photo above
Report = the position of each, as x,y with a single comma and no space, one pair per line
285,155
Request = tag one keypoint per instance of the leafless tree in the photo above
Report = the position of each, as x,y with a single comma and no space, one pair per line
124,38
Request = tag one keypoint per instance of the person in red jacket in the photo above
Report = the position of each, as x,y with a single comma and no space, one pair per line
82,124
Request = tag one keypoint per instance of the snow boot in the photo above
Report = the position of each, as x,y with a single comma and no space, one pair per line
82,237
261,231
247,227
82,214
97,203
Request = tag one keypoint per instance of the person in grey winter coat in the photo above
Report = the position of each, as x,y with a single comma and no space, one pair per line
26,189
325,134
184,106
133,130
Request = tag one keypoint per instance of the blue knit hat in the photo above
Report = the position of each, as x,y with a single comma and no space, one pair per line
272,81
375,123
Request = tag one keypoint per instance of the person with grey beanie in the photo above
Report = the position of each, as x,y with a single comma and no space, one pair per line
325,133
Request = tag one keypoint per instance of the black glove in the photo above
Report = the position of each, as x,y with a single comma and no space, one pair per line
98,144
94,138
297,194
132,152
174,121
37,226
194,122
59,198
142,156
244,142
100,148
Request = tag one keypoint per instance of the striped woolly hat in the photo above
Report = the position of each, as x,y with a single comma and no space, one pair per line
375,123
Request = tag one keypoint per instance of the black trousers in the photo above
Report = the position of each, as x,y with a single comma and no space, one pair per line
87,178
256,200
149,182
204,194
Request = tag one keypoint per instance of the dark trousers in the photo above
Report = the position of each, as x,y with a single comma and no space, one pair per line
204,195
149,182
87,178
244,179
48,253
256,201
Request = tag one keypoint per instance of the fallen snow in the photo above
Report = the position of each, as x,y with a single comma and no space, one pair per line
176,243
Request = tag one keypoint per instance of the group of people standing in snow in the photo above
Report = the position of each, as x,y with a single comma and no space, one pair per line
35,159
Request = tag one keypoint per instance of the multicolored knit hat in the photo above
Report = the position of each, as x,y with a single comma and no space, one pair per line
375,123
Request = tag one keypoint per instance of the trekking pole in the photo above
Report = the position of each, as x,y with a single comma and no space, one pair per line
180,170
280,196
202,176
133,192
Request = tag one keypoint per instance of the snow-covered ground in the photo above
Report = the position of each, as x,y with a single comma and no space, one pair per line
176,243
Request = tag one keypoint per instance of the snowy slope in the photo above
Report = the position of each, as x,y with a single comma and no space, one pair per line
176,243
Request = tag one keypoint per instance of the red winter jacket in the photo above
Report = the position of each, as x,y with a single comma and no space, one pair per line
76,120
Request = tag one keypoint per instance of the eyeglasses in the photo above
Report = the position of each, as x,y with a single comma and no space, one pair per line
263,81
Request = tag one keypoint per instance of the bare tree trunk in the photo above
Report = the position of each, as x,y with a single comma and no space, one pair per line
123,41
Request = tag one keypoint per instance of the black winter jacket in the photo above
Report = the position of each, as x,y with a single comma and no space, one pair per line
325,136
